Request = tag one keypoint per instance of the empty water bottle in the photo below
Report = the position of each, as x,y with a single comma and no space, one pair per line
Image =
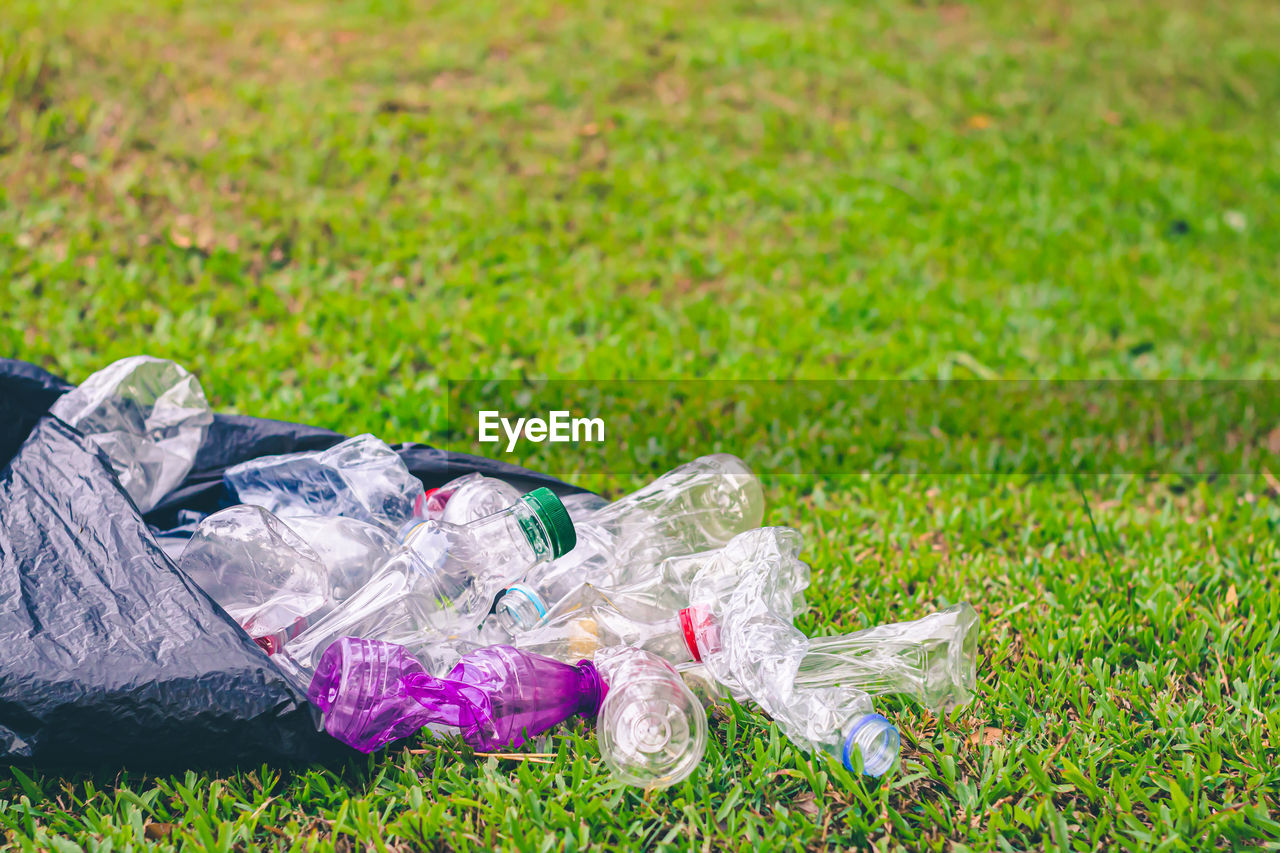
148,415
692,508
359,478
372,693
465,499
473,496
651,728
259,570
592,618
275,577
350,549
442,581
748,647
933,660
653,613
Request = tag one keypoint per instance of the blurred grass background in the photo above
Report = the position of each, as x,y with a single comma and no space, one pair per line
329,209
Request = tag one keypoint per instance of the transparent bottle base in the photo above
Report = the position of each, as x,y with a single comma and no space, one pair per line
651,735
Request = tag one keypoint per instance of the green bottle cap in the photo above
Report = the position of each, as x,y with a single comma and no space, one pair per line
555,518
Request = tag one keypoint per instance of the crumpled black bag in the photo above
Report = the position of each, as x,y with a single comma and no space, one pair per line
108,653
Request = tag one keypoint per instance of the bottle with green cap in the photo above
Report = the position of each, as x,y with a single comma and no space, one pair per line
442,581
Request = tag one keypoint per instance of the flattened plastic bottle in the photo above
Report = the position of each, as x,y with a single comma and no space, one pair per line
149,415
359,478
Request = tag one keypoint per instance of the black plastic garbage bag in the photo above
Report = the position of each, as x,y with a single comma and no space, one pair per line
108,653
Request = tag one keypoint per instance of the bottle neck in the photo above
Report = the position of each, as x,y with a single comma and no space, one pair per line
877,740
520,608
516,529
700,630
591,689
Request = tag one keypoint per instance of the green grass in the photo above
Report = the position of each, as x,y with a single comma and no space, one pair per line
327,210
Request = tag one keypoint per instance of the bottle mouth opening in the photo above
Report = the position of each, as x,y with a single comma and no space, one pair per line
521,606
878,741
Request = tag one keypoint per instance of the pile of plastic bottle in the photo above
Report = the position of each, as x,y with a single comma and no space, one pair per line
476,610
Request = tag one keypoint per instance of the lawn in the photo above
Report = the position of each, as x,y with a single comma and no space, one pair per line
329,210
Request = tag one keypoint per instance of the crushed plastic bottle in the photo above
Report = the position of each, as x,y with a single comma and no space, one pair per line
466,499
933,660
441,582
359,478
349,548
275,577
693,508
372,693
748,647
593,618
149,415
259,570
652,729
653,613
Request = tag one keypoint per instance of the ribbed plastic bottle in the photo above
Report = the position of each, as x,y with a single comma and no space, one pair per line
371,693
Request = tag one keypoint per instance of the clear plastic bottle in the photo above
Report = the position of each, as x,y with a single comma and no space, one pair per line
442,581
593,618
149,415
466,499
359,478
933,660
753,651
696,507
349,548
259,570
653,613
651,728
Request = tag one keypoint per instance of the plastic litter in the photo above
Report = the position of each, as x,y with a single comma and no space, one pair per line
933,660
359,478
149,415
109,655
373,693
466,499
747,646
389,604
442,581
698,506
276,577
261,572
651,728
654,613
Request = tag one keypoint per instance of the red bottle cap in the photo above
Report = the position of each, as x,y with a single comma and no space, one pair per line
690,628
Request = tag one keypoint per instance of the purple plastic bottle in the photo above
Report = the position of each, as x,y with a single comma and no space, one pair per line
372,693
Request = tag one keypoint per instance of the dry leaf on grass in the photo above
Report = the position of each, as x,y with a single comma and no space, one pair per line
986,736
